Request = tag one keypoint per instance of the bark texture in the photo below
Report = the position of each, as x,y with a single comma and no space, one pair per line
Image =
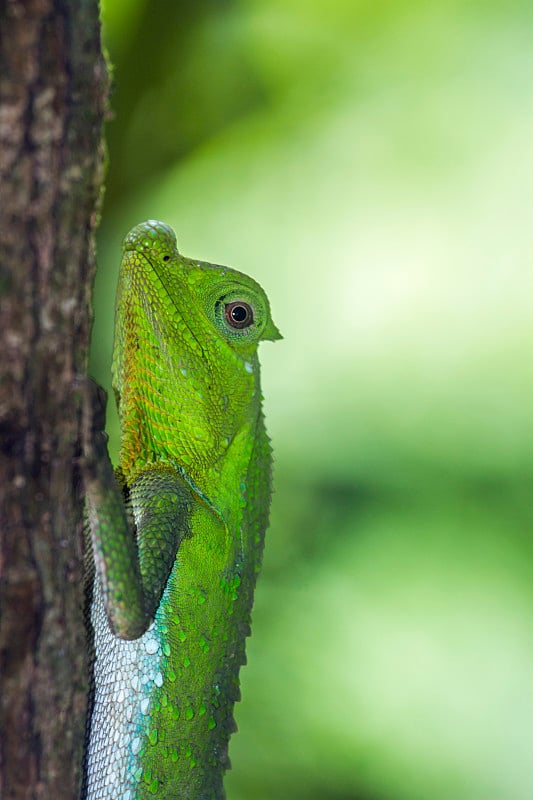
53,88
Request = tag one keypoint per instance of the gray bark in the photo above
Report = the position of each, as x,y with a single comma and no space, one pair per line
53,89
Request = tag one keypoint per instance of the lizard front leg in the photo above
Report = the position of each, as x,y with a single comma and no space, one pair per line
135,532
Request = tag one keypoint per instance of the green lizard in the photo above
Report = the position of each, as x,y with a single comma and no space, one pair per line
177,533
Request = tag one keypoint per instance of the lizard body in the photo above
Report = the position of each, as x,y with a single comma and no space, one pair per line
177,534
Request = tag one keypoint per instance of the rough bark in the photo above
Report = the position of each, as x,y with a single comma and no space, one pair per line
53,88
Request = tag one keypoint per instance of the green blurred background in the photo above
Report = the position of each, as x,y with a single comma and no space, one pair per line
370,163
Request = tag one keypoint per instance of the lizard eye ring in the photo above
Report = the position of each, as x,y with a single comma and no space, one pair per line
239,314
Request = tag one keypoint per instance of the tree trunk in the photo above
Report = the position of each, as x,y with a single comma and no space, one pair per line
53,87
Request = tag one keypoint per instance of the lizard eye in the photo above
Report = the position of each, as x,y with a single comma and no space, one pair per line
239,314
239,310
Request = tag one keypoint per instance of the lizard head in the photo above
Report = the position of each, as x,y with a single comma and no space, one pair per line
185,366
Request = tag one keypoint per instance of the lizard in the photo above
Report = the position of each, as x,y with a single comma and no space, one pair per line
176,532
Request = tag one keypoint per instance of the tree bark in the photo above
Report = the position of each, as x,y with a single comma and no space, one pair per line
53,89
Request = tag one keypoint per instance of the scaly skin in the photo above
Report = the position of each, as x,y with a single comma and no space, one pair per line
177,537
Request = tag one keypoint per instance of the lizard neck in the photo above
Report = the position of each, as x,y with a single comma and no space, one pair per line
171,417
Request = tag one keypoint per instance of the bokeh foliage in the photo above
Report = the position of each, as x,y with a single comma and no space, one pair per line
370,163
